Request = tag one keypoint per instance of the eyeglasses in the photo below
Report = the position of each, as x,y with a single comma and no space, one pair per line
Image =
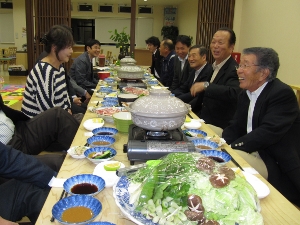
243,66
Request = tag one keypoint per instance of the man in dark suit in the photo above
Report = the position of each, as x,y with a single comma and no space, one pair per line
266,125
221,91
153,44
181,64
52,130
167,68
201,71
26,191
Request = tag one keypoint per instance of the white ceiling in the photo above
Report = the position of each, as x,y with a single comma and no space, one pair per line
138,2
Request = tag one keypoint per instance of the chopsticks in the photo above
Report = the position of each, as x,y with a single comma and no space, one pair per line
61,196
232,159
189,115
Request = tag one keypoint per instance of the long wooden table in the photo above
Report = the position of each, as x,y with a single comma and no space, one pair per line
275,208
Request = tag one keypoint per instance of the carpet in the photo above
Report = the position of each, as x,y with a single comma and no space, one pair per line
11,94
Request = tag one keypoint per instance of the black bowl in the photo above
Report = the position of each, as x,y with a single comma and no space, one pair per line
126,98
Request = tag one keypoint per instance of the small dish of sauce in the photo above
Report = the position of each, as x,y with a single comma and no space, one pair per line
104,143
77,214
84,188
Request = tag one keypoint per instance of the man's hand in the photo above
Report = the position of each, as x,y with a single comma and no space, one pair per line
6,222
77,101
69,111
197,88
87,95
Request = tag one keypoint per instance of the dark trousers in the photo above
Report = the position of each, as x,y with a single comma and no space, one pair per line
52,130
20,199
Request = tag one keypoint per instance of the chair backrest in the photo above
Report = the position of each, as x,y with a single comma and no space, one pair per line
12,51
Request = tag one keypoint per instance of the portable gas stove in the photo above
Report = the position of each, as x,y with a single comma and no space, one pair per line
131,83
146,145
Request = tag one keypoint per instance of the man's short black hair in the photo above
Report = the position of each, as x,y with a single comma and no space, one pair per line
90,43
232,38
186,40
153,40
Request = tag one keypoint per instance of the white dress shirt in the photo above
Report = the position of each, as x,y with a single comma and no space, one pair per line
198,72
217,68
253,96
7,128
182,61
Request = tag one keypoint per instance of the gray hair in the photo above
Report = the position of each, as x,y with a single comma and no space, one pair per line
267,58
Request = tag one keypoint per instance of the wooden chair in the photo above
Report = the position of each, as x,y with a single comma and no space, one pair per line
12,52
5,60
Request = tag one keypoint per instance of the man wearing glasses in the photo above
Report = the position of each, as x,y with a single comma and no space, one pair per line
222,88
82,69
266,126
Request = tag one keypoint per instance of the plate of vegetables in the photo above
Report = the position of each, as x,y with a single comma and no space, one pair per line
187,188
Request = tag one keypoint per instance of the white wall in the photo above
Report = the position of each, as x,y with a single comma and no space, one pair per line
274,24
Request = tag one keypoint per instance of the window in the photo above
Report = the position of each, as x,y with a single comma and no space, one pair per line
83,29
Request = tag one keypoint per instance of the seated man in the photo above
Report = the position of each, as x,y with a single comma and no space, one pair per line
167,70
153,46
52,130
26,191
181,64
201,72
266,126
221,91
82,68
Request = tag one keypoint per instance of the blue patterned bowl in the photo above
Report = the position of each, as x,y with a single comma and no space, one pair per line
109,80
100,141
113,152
152,82
110,99
101,223
201,144
75,201
106,131
110,103
84,178
106,89
195,133
218,156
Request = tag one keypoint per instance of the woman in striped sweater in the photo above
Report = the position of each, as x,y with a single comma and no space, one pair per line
46,84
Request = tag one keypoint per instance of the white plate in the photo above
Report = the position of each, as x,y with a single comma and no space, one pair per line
110,177
94,123
260,187
194,124
72,152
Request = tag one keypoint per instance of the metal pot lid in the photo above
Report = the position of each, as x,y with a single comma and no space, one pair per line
128,59
159,103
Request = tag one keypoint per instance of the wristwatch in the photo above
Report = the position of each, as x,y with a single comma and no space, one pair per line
205,84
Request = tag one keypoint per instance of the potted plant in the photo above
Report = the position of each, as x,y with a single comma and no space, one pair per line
122,40
170,32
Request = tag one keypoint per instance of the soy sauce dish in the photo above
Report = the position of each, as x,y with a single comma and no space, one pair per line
218,156
84,184
76,209
106,131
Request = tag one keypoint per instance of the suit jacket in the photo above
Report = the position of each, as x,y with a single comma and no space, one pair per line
15,164
275,134
183,92
156,63
82,72
180,76
220,97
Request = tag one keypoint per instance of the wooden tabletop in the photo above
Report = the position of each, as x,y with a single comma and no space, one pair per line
275,208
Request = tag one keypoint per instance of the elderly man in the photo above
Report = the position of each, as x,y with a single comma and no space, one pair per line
201,71
221,91
266,126
153,44
82,69
181,64
167,70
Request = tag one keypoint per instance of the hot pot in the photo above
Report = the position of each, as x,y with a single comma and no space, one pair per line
130,72
159,111
127,61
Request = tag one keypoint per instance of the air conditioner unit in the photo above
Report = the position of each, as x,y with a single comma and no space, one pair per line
6,5
105,8
85,8
146,9
124,9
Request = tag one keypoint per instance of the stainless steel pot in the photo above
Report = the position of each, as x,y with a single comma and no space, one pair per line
158,111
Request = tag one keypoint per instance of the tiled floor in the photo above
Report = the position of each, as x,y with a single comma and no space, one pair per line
13,80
